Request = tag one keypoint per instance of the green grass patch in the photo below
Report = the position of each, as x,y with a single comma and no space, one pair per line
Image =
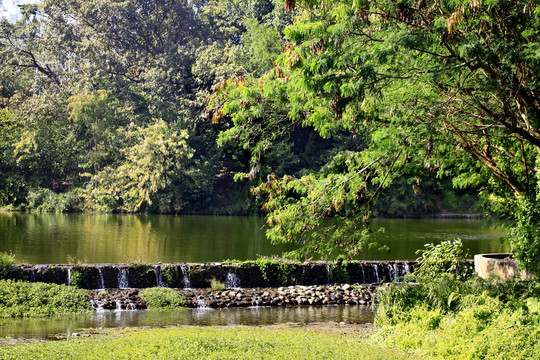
206,343
163,298
25,299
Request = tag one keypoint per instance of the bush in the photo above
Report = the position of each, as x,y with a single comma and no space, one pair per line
448,257
7,270
45,200
215,284
163,298
78,277
25,299
443,316
6,264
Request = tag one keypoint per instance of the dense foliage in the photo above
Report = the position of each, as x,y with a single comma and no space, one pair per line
420,89
105,98
112,107
436,313
204,342
24,299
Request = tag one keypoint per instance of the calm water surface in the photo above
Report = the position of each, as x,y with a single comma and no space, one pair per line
106,238
50,328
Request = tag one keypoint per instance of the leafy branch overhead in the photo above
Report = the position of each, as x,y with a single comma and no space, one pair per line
426,88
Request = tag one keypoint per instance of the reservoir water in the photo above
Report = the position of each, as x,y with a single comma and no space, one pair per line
109,238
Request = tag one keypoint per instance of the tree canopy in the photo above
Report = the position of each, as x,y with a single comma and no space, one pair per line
428,89
106,97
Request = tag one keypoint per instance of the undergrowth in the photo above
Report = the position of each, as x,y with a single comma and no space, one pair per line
25,299
437,314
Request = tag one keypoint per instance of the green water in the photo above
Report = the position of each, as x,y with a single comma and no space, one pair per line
106,238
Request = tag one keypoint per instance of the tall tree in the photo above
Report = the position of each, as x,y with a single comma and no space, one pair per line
439,88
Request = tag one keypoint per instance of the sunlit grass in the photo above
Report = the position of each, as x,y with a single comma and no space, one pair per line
206,343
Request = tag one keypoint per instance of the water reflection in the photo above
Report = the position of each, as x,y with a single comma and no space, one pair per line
113,238
53,327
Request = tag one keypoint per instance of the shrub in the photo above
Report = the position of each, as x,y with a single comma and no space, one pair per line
163,298
78,277
45,200
448,257
280,272
215,284
443,316
7,268
6,264
25,299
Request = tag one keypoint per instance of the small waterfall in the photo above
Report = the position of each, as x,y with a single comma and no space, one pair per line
406,269
101,279
69,277
201,303
327,273
393,272
232,280
185,275
159,277
375,266
364,281
123,282
97,306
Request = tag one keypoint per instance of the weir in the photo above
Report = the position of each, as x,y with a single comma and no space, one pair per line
250,274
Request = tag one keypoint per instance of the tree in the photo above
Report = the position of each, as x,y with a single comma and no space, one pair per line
441,89
79,78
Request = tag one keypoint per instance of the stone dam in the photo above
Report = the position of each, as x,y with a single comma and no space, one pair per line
249,274
250,283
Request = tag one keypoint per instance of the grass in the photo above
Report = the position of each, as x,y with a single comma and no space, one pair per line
206,343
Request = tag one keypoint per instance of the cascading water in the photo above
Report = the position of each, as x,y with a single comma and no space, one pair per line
123,282
101,279
69,277
406,269
159,277
394,272
232,280
201,303
185,275
376,272
363,274
327,273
